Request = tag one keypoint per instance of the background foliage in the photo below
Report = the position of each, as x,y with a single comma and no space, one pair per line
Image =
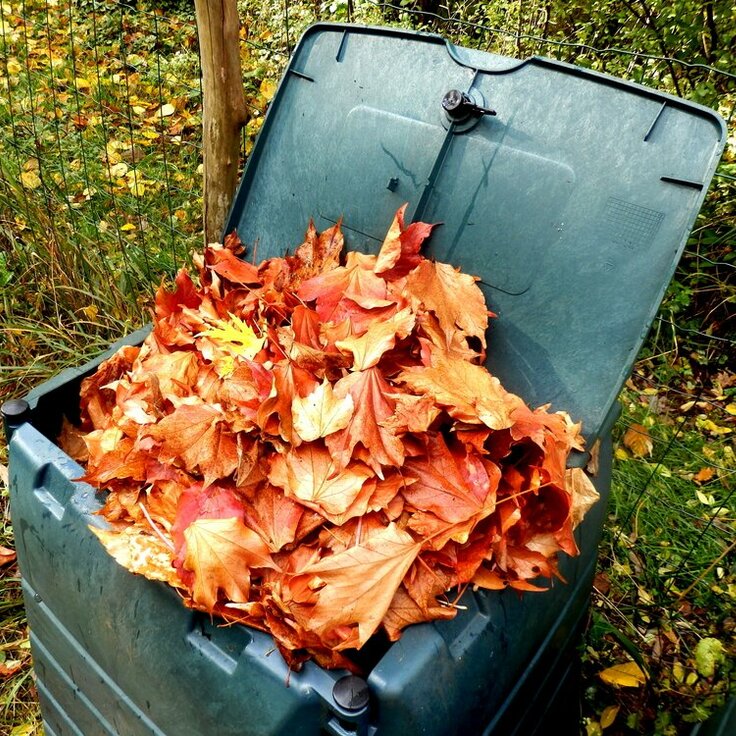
100,199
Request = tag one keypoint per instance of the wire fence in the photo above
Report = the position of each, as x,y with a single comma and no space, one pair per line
100,119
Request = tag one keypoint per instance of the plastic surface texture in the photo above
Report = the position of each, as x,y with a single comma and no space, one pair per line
117,654
572,203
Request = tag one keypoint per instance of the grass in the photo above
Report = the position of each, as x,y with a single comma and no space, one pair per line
666,576
100,199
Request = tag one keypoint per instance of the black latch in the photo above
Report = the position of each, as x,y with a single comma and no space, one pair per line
459,106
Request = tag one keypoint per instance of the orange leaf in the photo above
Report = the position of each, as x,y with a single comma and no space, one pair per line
6,556
373,405
380,337
309,474
198,435
452,296
704,475
358,585
638,440
220,553
399,253
468,392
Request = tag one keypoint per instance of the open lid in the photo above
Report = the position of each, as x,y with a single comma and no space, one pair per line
572,202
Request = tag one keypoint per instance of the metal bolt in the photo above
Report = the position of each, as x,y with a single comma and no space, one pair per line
351,692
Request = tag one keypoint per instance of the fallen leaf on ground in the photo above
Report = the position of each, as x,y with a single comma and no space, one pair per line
638,440
628,674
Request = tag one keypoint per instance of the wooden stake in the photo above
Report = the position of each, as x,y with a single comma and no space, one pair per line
224,107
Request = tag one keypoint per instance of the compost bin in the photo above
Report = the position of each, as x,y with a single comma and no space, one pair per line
571,195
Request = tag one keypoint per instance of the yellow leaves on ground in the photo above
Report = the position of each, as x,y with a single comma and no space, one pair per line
638,440
628,674
165,111
30,179
268,89
608,716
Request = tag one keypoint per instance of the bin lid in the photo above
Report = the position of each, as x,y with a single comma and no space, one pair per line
572,203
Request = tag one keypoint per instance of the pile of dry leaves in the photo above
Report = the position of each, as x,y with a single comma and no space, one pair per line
316,449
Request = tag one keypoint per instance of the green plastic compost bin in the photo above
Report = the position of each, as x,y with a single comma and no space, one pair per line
571,195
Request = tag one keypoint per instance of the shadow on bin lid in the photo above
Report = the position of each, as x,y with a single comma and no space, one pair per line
569,193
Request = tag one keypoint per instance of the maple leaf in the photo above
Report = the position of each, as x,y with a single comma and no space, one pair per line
96,400
140,552
373,405
274,415
321,413
355,281
222,259
309,474
405,611
275,516
317,254
235,336
411,414
583,492
220,553
452,296
358,585
112,455
197,435
367,349
440,487
467,391
399,252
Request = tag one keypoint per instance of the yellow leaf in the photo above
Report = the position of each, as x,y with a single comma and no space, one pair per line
621,454
141,553
678,672
687,406
609,716
268,89
638,440
127,227
628,674
235,335
712,427
137,187
703,498
321,412
82,83
731,409
90,312
30,179
14,66
119,170
165,111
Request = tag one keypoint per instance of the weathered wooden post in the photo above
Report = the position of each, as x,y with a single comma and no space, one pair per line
224,112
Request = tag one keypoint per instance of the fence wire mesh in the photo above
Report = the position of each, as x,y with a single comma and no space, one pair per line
100,198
